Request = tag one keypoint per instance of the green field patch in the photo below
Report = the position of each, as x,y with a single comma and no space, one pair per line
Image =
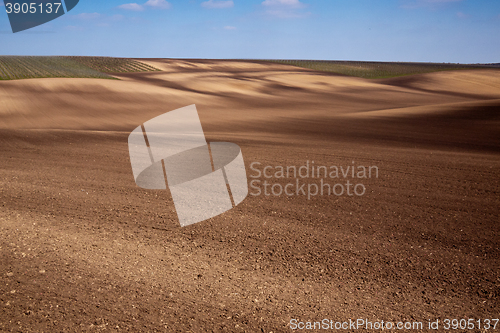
376,70
114,65
28,67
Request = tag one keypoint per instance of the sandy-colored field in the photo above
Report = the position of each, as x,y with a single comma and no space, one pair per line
82,248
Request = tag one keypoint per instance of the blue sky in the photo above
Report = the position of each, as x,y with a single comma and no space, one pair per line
465,31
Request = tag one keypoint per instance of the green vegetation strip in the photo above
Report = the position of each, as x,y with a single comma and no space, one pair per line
28,67
375,70
25,67
114,65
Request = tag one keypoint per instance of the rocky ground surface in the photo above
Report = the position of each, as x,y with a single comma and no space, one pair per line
82,248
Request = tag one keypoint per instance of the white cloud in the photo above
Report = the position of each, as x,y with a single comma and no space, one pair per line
88,16
229,27
100,20
160,4
217,4
73,28
412,4
157,4
132,6
285,8
284,3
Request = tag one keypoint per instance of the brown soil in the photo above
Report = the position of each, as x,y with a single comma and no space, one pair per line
82,248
